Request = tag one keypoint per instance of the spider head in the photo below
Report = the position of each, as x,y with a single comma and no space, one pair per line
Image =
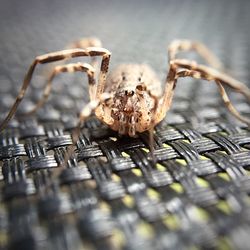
132,107
132,110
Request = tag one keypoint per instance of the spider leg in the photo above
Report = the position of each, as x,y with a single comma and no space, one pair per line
167,97
198,71
57,56
151,130
84,114
200,75
186,45
84,43
152,122
230,106
214,75
72,67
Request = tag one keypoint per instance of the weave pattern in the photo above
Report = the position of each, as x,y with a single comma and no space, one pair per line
111,195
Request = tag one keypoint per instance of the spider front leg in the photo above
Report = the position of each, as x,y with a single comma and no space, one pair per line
192,69
84,114
213,74
195,70
84,43
72,67
186,45
58,56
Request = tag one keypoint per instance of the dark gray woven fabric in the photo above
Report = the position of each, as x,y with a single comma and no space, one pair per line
111,196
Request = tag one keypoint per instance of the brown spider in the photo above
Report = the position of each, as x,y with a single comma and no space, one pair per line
130,99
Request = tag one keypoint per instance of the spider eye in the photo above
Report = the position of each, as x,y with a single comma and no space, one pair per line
129,93
141,87
139,79
124,78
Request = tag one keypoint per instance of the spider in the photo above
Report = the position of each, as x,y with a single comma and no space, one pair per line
130,99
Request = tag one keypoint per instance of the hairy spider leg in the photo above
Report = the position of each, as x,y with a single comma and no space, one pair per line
177,46
57,56
72,67
84,43
84,114
214,74
198,71
206,73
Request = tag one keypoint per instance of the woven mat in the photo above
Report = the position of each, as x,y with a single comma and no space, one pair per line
111,196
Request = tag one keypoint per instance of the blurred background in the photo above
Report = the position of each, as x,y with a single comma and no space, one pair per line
126,203
134,31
